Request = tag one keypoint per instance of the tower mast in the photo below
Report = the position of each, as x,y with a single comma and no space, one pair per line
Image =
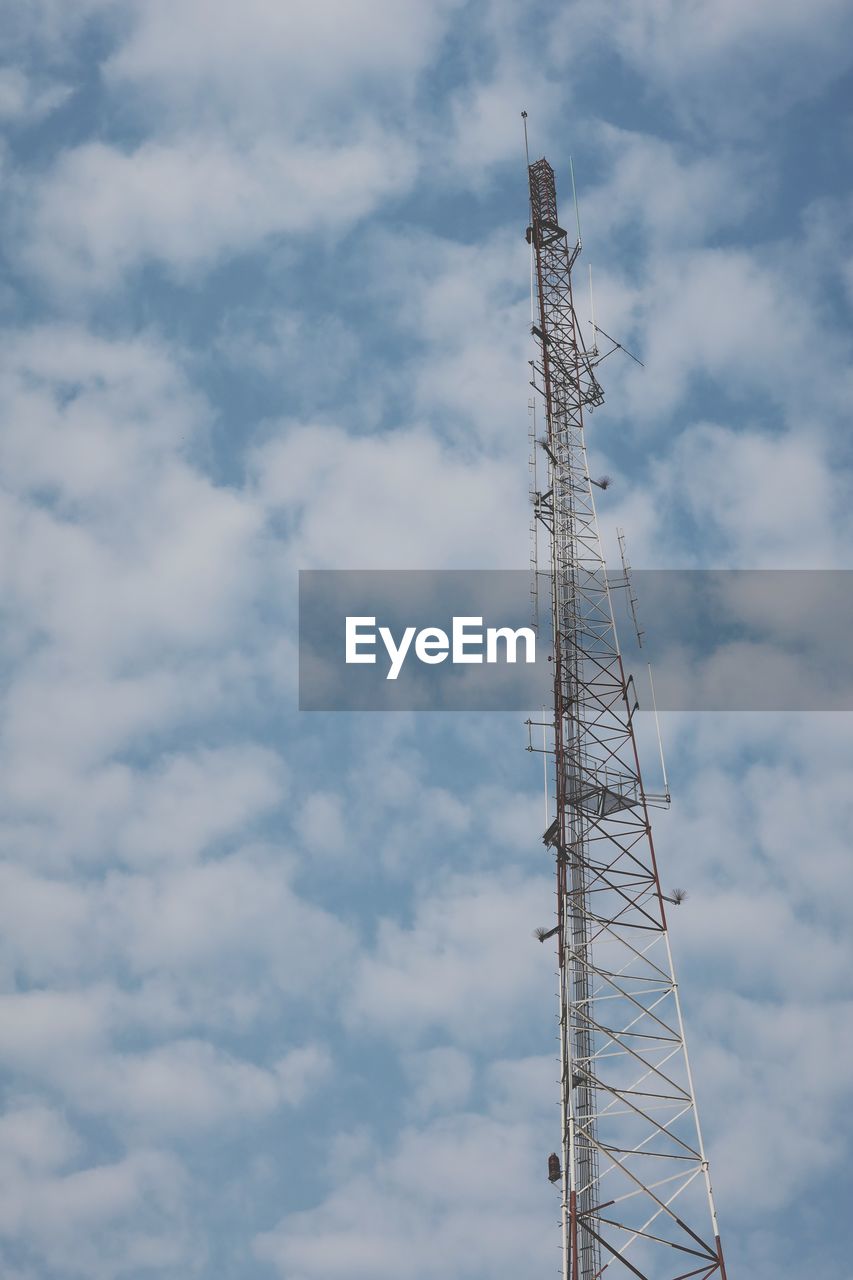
636,1189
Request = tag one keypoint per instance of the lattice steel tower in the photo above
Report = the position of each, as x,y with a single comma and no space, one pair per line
636,1191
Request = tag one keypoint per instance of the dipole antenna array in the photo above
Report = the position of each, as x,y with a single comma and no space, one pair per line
636,1196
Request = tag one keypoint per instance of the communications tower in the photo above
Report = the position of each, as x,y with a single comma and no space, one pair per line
631,1165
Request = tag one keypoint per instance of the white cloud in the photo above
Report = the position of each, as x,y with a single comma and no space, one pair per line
103,1221
468,965
249,132
301,1071
758,834
191,803
467,308
35,1139
21,101
130,589
49,29
723,65
187,1086
204,945
441,1079
68,802
775,1058
122,544
465,1195
396,500
190,201
676,195
165,965
321,825
739,486
524,1088
730,316
205,922
265,58
284,345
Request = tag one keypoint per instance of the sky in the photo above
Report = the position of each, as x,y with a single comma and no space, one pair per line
270,1004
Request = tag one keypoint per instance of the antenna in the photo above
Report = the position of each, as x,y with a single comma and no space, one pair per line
545,769
592,315
530,241
617,346
632,599
526,147
534,521
532,288
660,740
575,198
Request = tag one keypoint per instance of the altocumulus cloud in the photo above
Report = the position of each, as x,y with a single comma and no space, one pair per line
270,1004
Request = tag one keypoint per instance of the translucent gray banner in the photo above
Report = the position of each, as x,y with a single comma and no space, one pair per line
717,640
744,639
410,611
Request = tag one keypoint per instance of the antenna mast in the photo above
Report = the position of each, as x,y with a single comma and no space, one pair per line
635,1188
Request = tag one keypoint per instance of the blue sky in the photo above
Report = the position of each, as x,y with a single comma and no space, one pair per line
270,1002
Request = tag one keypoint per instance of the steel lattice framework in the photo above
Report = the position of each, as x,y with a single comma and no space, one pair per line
636,1190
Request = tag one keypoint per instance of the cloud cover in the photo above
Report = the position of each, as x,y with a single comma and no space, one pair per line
270,1001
